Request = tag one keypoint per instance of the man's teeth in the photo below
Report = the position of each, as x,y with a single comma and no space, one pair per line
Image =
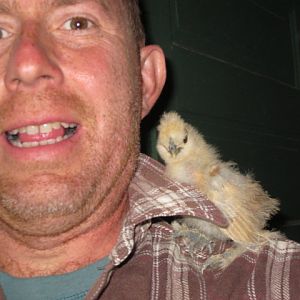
40,129
13,135
36,144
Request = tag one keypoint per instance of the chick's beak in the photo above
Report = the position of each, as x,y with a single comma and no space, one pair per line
173,148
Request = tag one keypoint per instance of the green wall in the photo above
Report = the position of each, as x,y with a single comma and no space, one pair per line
234,72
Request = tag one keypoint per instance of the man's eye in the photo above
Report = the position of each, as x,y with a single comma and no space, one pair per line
4,33
78,23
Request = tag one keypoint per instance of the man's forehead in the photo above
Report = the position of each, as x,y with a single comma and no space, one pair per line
9,5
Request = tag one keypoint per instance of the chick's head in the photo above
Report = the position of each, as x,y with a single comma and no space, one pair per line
174,138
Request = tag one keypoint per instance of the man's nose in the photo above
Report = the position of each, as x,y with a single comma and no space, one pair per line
30,66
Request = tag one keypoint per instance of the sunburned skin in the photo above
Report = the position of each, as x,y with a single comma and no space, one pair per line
73,89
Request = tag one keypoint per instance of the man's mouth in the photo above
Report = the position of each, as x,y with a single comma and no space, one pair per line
41,135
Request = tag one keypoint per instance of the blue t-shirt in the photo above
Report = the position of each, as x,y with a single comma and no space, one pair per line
70,286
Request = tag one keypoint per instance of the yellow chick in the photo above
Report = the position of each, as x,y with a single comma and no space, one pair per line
190,159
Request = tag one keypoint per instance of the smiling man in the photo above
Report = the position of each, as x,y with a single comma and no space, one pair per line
74,86
70,109
82,214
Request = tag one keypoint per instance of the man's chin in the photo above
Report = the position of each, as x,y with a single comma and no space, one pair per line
35,207
45,233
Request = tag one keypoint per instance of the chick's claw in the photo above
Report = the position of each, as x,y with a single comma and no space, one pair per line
223,260
194,239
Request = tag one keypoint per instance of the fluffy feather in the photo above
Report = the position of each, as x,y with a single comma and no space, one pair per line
190,159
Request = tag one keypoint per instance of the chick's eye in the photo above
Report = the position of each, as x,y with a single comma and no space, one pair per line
4,33
185,140
78,23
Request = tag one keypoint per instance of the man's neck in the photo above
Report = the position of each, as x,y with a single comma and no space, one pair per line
21,260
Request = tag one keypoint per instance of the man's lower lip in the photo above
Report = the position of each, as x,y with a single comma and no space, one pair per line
42,143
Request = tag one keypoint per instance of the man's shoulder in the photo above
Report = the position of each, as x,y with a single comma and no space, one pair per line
156,195
273,272
155,200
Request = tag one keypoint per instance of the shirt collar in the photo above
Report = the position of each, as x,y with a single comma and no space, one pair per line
153,195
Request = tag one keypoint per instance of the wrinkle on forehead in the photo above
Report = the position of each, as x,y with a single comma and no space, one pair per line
7,6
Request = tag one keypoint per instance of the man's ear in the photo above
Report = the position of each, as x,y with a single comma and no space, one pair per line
153,70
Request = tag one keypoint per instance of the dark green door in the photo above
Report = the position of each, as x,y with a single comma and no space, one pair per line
234,72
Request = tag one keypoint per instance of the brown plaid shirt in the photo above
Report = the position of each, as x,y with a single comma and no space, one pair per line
149,262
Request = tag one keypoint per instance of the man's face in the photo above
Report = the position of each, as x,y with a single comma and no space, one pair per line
69,111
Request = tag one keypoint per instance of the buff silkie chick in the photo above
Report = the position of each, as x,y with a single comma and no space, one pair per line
242,200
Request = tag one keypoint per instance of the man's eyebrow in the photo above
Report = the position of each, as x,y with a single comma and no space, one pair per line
6,7
58,3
